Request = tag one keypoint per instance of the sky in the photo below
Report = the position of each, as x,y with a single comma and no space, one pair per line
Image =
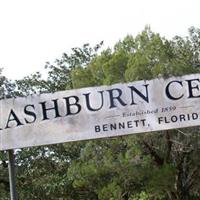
33,32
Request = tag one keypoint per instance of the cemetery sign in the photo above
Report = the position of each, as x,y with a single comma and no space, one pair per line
98,112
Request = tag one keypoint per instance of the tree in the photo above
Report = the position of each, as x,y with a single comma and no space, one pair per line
145,57
162,165
6,91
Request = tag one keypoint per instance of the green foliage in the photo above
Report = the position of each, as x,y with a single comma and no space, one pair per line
115,68
82,77
158,166
140,196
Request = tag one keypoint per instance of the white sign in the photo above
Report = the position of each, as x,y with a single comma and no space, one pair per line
98,112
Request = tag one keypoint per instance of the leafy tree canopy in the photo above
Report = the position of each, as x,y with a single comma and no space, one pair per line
162,165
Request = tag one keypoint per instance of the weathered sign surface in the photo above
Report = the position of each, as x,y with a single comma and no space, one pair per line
98,112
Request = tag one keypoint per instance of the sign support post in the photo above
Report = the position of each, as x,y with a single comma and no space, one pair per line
12,181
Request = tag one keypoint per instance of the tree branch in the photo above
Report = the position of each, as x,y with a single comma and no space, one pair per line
158,160
169,146
190,179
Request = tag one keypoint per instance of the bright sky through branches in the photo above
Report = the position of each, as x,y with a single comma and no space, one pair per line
35,31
